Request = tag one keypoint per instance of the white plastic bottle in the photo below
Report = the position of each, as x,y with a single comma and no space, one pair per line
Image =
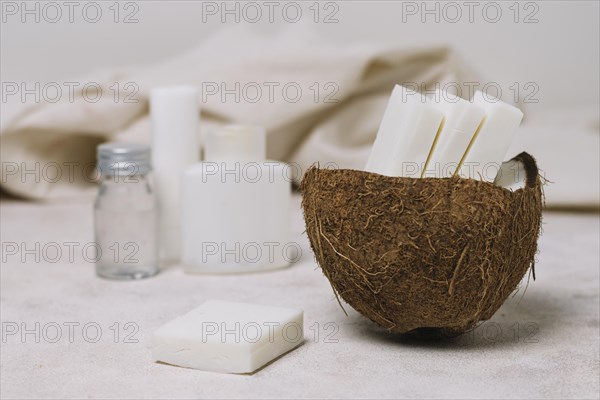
235,206
175,118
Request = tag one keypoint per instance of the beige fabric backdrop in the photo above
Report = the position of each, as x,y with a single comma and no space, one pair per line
304,131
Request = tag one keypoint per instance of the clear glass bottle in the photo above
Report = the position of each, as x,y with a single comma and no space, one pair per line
125,213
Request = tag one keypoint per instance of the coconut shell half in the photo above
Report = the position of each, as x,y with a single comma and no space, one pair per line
425,255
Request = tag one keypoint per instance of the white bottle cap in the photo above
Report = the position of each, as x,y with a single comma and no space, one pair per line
235,143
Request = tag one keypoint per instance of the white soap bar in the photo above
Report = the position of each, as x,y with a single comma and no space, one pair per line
406,133
461,120
228,337
488,149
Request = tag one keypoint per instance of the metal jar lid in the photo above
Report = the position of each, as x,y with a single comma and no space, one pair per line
124,159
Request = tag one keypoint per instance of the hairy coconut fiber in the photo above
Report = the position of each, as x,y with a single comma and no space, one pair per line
425,255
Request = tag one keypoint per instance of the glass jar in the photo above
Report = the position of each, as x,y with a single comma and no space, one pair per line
125,213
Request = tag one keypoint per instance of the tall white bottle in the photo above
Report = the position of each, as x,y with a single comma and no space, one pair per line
175,118
236,206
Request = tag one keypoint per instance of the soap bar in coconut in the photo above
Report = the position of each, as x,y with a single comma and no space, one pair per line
422,254
461,121
407,131
489,146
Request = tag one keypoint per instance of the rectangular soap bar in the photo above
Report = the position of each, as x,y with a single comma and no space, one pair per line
461,121
405,136
488,148
223,336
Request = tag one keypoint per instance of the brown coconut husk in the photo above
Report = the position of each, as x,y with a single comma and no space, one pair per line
425,255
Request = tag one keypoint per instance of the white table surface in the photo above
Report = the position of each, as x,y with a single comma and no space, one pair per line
559,359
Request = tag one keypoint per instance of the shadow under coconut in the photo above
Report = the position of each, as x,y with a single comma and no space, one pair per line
521,321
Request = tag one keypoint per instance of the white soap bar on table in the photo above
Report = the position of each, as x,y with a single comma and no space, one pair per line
461,121
489,147
407,131
229,337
